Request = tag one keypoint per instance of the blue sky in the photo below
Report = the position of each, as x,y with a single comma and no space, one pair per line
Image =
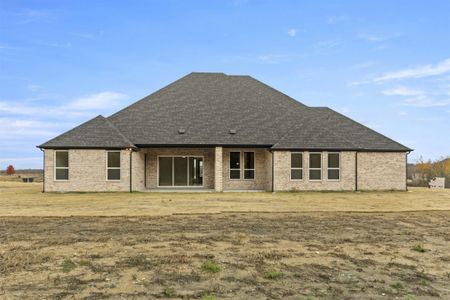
383,63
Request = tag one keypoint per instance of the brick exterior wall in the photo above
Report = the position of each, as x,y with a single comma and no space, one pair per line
376,171
262,180
283,180
138,173
87,172
381,171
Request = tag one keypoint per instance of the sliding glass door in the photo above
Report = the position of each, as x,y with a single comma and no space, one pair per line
180,171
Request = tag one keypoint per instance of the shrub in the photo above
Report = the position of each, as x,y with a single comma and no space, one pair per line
84,263
169,292
273,275
397,286
68,265
418,248
211,267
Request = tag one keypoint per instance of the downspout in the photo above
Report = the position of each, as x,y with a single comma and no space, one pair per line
406,170
273,171
131,170
356,171
145,170
43,171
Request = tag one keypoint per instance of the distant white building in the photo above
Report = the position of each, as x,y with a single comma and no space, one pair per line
437,183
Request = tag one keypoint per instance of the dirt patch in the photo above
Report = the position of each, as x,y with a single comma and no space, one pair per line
248,256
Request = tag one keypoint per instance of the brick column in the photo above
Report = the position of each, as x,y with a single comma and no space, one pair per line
218,165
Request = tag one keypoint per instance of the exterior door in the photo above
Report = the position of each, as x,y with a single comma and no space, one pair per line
180,171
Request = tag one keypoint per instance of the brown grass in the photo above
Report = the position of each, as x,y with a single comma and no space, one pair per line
22,199
330,255
329,245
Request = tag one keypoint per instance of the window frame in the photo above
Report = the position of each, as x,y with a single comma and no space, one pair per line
254,165
339,168
63,168
114,168
302,168
309,166
234,169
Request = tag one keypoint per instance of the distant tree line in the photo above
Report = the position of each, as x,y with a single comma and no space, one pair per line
420,173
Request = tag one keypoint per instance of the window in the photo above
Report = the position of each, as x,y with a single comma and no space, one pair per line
249,165
296,166
235,165
62,165
113,165
334,166
315,166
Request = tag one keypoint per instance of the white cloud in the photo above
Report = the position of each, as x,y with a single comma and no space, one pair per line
418,72
415,97
402,113
336,19
329,43
363,65
32,15
402,91
292,32
34,87
20,109
428,119
26,123
98,101
277,58
425,101
376,38
84,106
16,129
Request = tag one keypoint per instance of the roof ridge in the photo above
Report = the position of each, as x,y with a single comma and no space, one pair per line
120,133
275,90
69,131
297,126
334,133
364,126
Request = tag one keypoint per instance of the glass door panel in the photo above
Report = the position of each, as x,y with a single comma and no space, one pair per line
165,171
195,171
180,171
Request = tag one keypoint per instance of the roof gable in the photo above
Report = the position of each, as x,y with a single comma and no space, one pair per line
95,133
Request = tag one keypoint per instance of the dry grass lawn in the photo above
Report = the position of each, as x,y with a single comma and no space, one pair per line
21,199
391,245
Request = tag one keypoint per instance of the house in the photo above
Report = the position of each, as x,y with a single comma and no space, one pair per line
212,131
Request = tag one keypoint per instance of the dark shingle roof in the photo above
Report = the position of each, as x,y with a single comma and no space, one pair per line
95,133
324,128
207,106
202,108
